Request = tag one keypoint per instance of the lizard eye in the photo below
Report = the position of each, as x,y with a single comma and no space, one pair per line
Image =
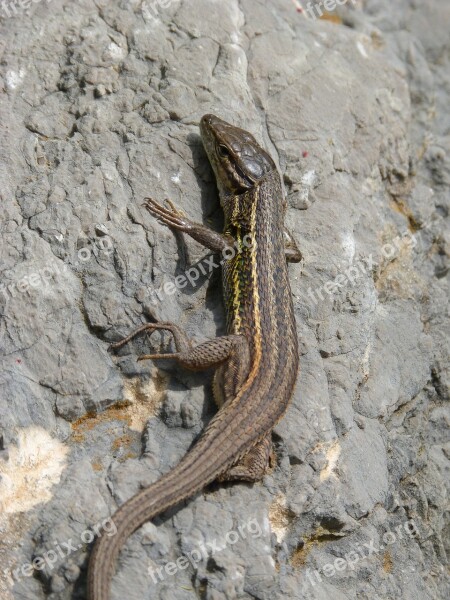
223,151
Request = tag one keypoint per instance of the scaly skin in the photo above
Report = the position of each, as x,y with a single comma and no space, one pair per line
256,362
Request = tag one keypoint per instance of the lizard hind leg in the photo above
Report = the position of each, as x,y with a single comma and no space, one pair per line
291,250
212,353
182,342
254,465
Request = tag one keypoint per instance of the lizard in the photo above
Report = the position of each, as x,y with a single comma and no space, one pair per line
256,363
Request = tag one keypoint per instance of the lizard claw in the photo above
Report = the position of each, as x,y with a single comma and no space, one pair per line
172,217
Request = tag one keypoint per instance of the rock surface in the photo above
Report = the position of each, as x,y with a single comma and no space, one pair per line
99,105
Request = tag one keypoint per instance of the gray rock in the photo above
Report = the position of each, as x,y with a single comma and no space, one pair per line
100,104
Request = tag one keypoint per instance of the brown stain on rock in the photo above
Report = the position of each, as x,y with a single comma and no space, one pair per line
120,442
320,536
387,562
332,18
400,205
142,398
91,419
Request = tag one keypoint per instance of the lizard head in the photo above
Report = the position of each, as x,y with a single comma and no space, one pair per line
237,159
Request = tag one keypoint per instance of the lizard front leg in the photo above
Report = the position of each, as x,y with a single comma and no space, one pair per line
175,219
217,242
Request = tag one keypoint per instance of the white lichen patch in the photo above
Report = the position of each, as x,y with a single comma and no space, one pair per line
280,517
332,456
14,79
349,246
33,467
144,397
115,52
176,178
362,49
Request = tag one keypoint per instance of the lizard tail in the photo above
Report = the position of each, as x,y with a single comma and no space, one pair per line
188,478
